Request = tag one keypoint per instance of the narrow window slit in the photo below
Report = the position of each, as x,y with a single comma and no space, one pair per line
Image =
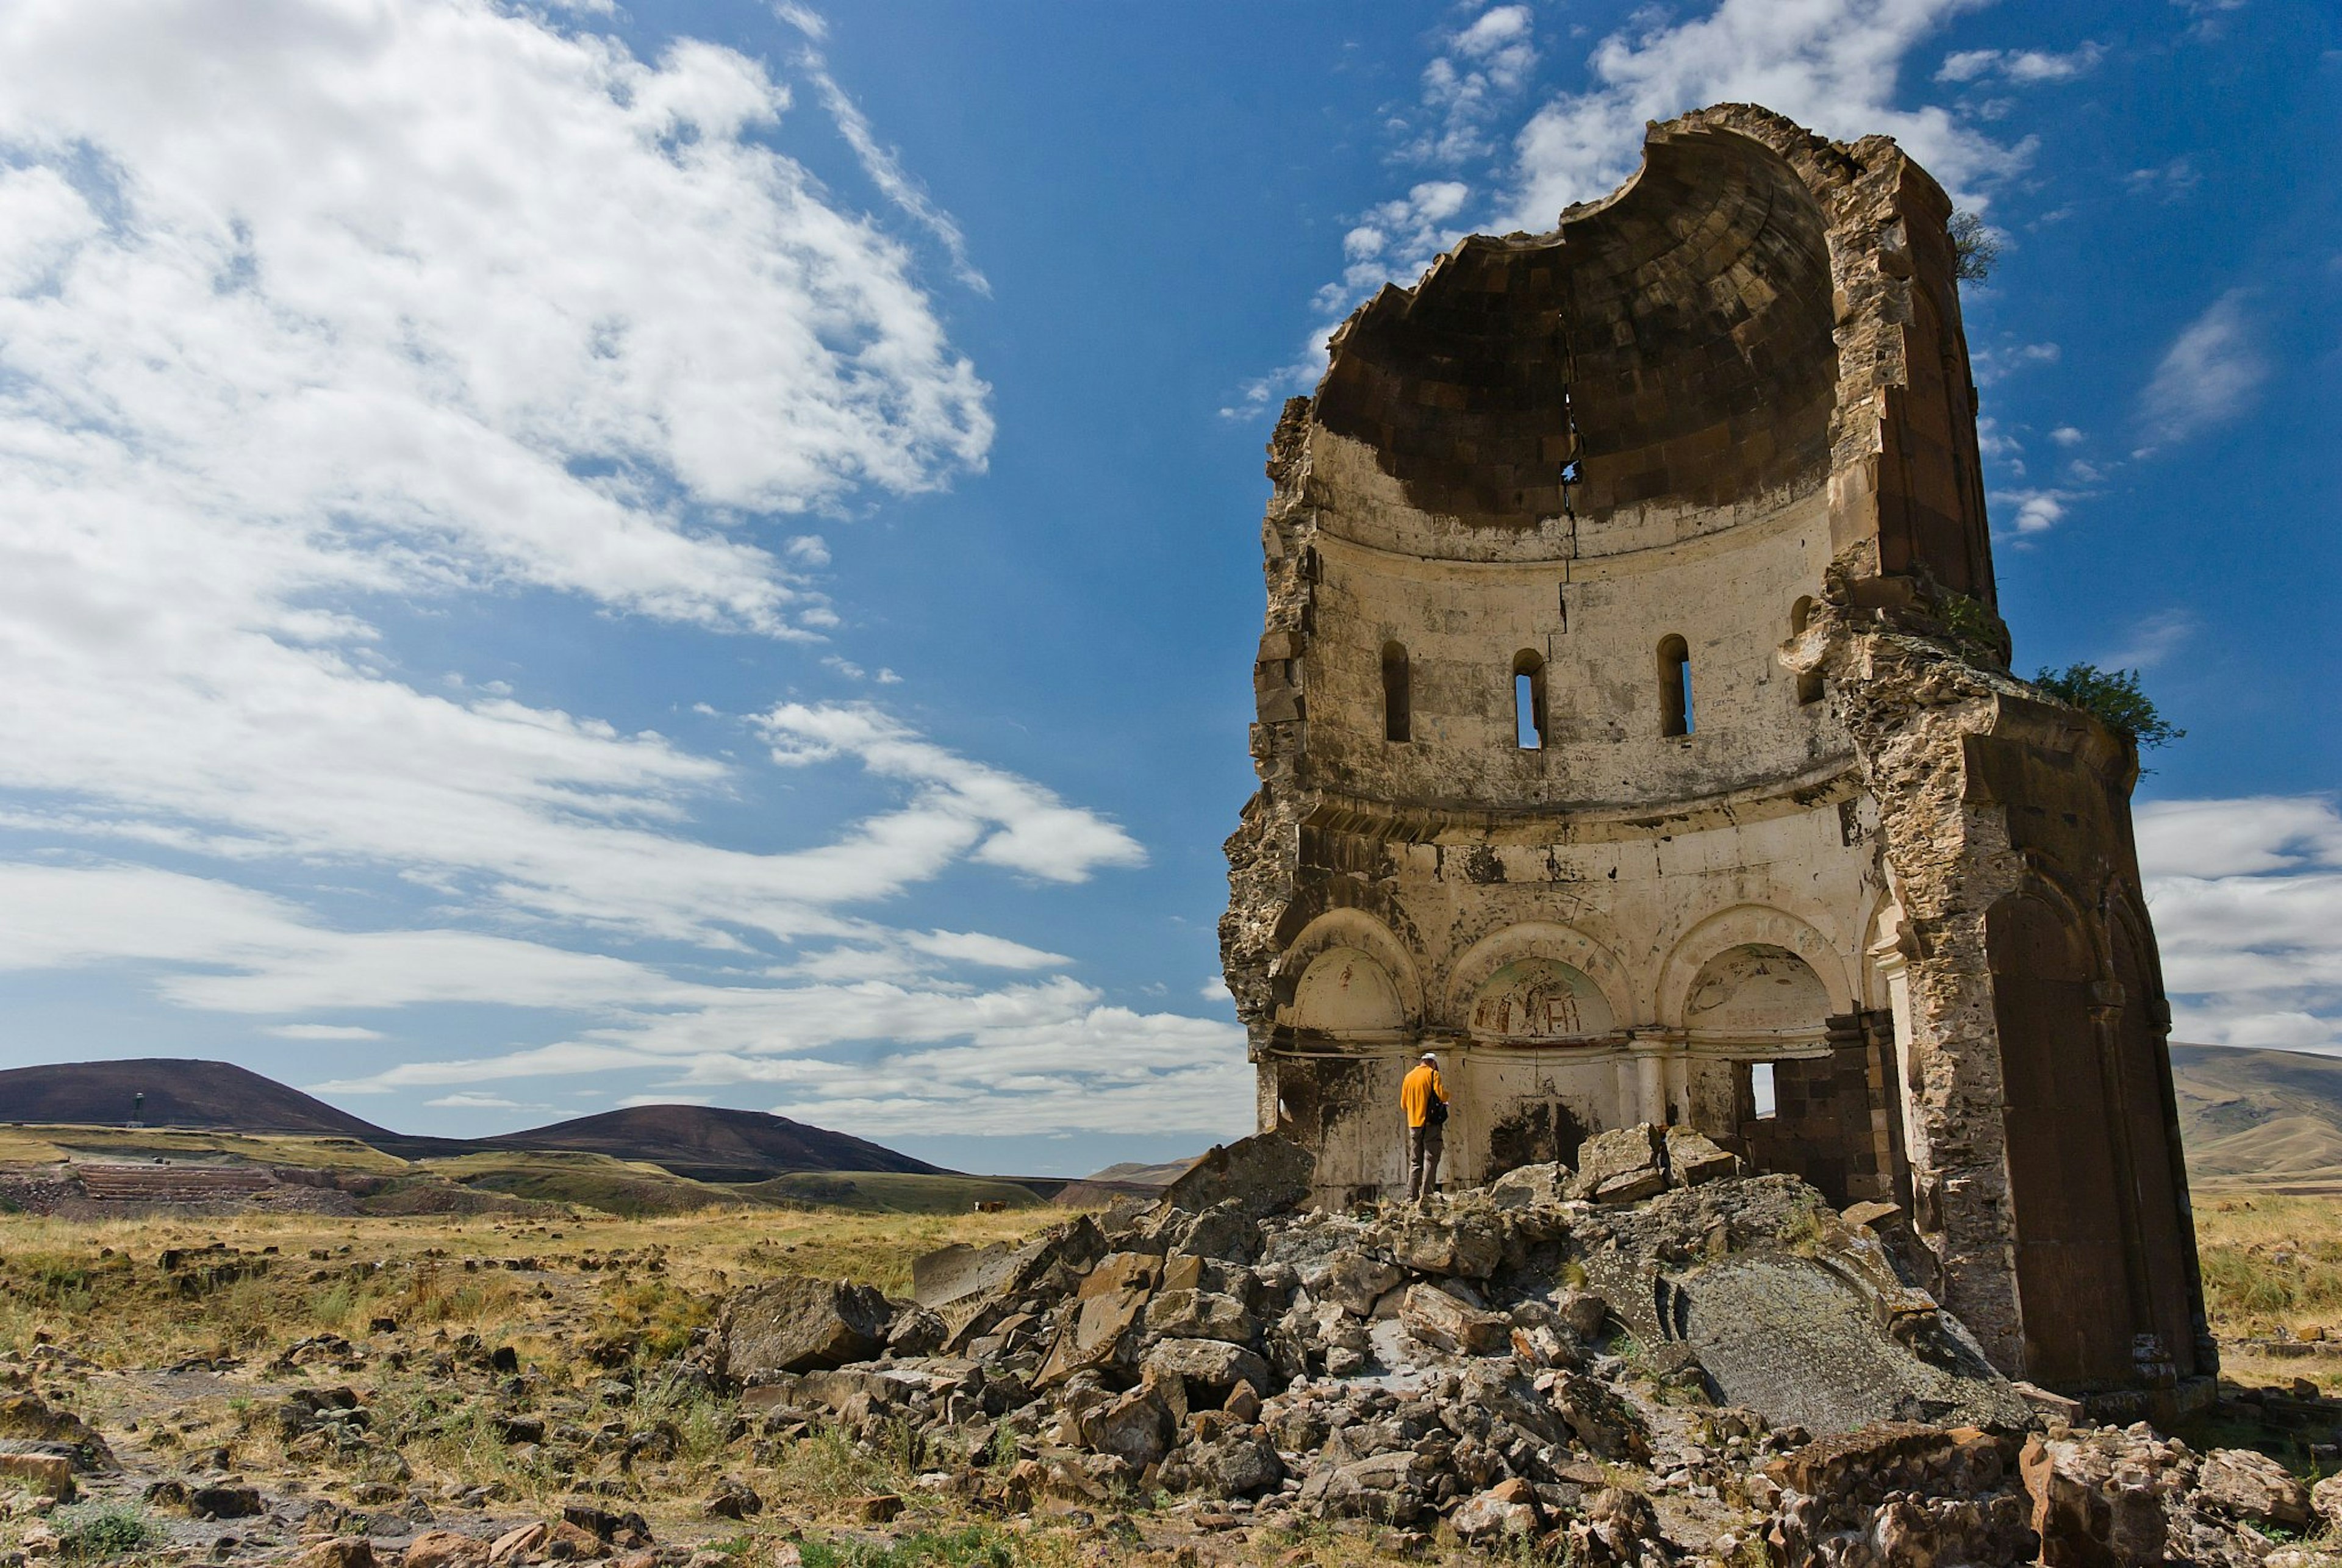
1399,716
1675,688
1528,700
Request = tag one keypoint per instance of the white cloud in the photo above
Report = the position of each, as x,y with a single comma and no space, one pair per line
2020,67
2067,435
2038,511
2170,181
2151,640
425,307
1023,1059
1482,68
469,1101
2207,377
1991,363
1831,64
2247,894
959,806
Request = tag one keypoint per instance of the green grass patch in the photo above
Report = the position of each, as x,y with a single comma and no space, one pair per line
93,1531
975,1546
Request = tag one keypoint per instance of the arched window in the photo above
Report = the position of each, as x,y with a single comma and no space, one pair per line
1675,688
1528,700
1809,684
1397,715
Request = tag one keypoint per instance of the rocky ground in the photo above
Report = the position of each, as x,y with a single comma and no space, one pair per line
1651,1359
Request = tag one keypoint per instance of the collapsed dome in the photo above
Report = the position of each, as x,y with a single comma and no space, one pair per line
1693,308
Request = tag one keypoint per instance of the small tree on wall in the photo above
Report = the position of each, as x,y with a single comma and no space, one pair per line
2114,698
1974,250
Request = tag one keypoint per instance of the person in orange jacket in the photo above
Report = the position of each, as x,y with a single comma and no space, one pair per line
1424,1098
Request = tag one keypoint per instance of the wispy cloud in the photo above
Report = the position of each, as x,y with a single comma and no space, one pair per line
2207,377
1992,362
882,165
2169,181
2020,67
2151,640
1479,72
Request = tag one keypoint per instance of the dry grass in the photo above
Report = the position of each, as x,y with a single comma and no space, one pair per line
98,1287
2273,1266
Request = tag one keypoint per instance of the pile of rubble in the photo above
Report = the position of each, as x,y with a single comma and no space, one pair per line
1650,1358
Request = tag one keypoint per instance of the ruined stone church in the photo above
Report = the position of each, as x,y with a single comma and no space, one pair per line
1635,729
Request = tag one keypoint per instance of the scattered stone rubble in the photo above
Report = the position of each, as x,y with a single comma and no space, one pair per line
1650,1359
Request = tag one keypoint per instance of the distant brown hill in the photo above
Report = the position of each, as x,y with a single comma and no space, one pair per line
701,1142
2270,1120
709,1144
179,1093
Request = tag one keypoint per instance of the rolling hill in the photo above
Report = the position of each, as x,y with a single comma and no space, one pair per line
708,1143
697,1142
179,1093
2265,1120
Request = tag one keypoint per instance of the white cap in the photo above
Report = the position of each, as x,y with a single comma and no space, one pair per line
1431,1058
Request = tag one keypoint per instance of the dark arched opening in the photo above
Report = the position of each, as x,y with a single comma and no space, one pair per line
1809,682
1398,717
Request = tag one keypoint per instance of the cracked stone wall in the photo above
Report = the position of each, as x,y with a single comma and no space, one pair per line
1858,866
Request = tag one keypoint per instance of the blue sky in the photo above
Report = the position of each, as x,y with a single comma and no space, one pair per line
558,557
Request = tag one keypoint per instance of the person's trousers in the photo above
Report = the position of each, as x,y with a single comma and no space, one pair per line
1422,1163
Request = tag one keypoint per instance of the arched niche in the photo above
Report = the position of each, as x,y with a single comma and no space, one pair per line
1356,931
1600,986
1539,999
1751,925
1756,990
1345,992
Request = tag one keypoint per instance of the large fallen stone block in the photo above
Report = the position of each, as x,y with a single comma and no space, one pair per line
1355,1281
1508,1509
1433,1317
1531,1186
799,1324
2252,1487
49,1475
1095,1334
1210,1368
1623,1165
1200,1314
959,1273
1267,1173
1695,1157
1803,1344
1240,1464
2094,1505
1598,1418
1467,1245
1392,1488
1135,1428
24,1417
